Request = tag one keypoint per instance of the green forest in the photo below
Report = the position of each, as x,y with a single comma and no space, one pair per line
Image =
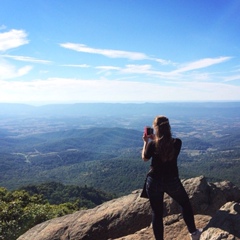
22,209
52,166
109,159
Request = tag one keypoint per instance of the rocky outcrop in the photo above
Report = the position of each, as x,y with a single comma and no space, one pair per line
174,229
112,219
225,224
206,198
129,217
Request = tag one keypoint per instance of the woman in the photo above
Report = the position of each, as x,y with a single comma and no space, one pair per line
163,176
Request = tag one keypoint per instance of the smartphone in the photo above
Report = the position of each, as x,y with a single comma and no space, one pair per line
148,130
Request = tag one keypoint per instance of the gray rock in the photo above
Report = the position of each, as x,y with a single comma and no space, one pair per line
206,198
225,224
122,217
174,229
112,219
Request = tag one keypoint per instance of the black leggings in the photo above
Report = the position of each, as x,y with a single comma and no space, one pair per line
175,189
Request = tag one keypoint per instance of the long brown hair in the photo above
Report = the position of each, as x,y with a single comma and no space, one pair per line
163,139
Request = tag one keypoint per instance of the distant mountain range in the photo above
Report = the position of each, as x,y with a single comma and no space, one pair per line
99,145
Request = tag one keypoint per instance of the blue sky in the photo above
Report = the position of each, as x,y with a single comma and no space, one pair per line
59,51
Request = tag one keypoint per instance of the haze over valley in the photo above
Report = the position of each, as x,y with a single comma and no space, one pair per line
99,145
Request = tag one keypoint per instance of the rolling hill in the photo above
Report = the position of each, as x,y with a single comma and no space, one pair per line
103,149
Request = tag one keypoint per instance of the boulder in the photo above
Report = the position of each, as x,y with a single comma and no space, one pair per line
174,229
225,224
118,218
206,198
112,219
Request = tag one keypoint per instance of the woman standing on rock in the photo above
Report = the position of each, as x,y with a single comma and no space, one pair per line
163,176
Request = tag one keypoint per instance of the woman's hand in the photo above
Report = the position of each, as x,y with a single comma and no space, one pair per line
152,136
145,143
145,138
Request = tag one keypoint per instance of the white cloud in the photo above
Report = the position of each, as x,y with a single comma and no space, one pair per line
8,71
232,78
8,40
132,68
143,69
60,90
23,71
105,52
164,62
26,59
76,65
108,68
211,91
135,69
12,39
202,63
184,73
114,53
2,27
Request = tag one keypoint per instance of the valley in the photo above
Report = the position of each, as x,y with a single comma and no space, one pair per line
102,149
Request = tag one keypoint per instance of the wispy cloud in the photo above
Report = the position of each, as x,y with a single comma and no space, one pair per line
183,72
12,39
26,59
65,90
164,62
138,69
2,27
111,53
232,78
134,69
8,71
9,40
108,68
105,52
202,63
76,65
